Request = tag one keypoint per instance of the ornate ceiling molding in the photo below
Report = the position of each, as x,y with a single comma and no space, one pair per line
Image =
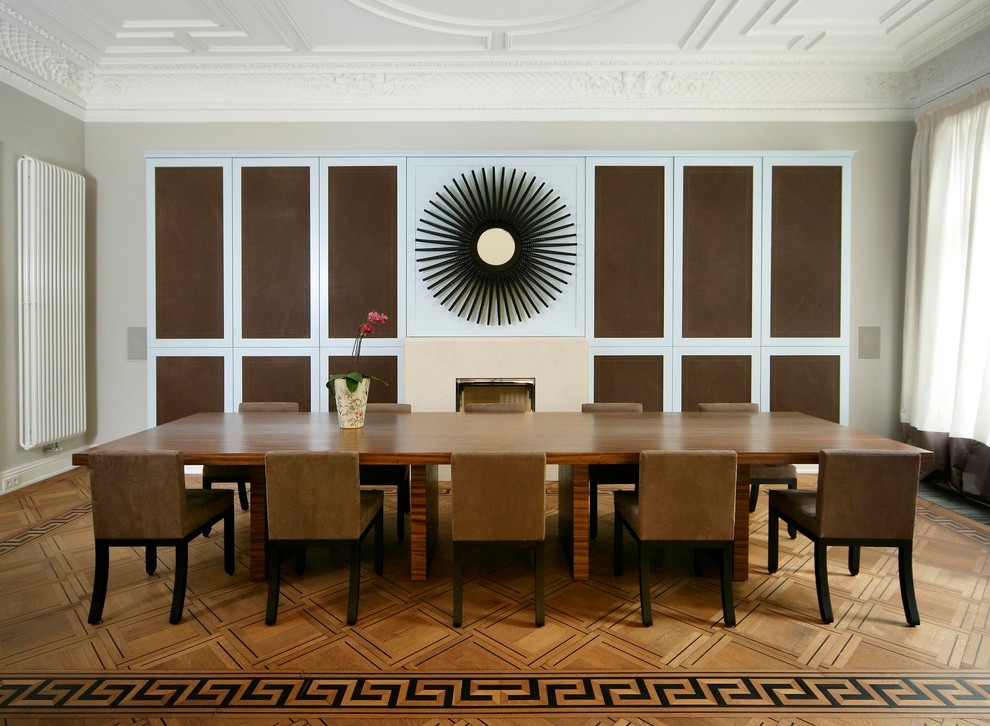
682,87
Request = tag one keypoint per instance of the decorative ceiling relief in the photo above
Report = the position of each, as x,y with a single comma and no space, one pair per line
496,246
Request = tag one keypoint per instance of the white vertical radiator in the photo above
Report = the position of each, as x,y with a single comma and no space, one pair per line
51,290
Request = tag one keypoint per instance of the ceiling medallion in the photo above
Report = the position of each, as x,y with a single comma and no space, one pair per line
493,246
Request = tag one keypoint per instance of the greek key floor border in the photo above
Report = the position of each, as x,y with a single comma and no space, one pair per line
258,694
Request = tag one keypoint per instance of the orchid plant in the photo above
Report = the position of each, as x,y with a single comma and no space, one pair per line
354,378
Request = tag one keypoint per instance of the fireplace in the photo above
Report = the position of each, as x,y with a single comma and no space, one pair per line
495,390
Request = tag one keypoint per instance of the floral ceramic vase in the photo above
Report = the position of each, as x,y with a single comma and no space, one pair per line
351,406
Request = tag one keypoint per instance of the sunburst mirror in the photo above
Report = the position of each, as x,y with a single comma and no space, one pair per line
493,247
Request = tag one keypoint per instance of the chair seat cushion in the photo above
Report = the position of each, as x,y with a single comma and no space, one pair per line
371,504
202,505
798,505
613,473
225,472
627,504
775,472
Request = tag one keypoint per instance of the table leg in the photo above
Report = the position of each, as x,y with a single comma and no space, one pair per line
572,516
259,523
424,519
740,549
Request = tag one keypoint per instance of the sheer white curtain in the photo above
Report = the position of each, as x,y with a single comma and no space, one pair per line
946,383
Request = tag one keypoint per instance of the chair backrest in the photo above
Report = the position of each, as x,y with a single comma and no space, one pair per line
687,495
313,495
611,408
729,407
388,408
867,494
495,408
138,494
498,497
268,407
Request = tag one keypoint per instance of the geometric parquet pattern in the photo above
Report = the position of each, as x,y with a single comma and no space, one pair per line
403,662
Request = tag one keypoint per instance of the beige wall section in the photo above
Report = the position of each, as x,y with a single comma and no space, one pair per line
879,227
27,127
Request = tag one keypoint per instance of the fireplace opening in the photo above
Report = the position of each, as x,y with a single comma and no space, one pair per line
496,390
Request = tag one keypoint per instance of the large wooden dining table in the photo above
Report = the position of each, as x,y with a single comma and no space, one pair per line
571,440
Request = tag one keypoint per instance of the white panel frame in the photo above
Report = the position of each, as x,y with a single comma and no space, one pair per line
665,352
310,352
756,367
564,318
228,327
384,348
172,352
314,252
400,316
756,164
807,350
667,162
845,163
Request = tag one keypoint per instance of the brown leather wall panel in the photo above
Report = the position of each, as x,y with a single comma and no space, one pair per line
715,379
629,210
630,378
717,291
276,378
806,252
185,385
275,251
362,237
805,383
385,367
189,252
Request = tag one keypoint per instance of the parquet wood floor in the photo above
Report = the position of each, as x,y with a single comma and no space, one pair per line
402,662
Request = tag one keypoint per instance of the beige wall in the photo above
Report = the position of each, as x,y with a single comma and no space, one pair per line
27,127
880,192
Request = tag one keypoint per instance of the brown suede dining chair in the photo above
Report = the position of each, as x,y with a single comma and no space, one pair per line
140,500
498,498
232,473
608,473
758,473
684,498
495,408
864,499
397,475
314,498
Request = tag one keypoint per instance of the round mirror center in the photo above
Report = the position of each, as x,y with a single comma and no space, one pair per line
496,246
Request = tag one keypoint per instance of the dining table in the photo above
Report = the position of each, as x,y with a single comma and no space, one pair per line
571,440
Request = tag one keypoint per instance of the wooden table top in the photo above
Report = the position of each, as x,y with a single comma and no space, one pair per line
566,438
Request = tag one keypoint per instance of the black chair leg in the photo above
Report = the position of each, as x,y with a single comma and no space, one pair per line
773,540
242,495
458,584
754,493
228,541
179,589
380,541
100,579
906,575
592,510
274,577
538,557
353,590
645,602
725,572
617,564
150,559
853,559
791,530
821,582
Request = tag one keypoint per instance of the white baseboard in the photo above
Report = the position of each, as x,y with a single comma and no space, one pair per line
21,476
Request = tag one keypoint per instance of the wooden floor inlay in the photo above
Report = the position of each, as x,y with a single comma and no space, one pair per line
404,662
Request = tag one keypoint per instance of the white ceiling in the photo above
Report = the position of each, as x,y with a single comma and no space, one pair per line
295,59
